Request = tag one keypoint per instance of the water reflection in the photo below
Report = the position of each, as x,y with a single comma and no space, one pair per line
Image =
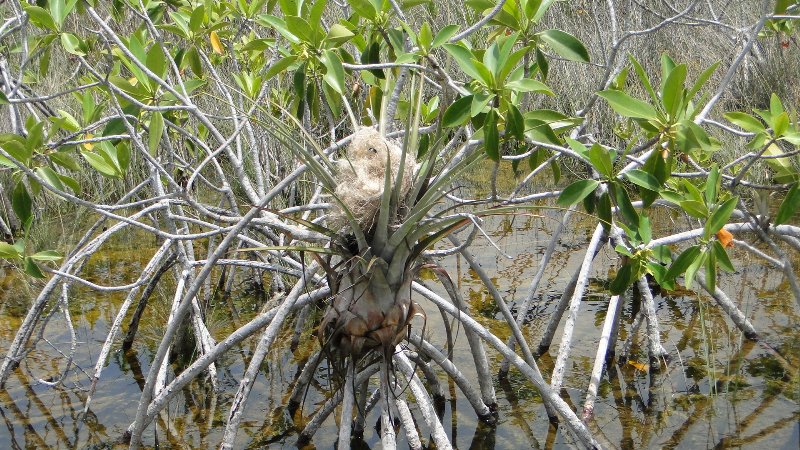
718,390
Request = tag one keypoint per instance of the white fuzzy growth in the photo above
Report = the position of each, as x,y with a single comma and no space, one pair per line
362,170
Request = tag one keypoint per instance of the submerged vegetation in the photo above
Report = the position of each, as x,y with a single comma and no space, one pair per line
330,160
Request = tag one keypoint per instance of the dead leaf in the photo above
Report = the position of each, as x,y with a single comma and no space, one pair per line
725,237
88,145
215,43
639,366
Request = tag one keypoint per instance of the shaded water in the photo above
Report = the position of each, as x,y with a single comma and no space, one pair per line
718,390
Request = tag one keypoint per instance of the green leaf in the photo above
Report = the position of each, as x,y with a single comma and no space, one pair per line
576,192
4,99
155,132
21,203
515,124
745,121
645,229
64,160
491,137
601,160
47,255
628,106
701,80
672,91
465,60
479,102
425,36
783,167
643,78
71,183
30,268
40,17
100,164
720,217
50,176
603,208
780,124
643,179
711,271
279,25
300,28
334,76
279,66
338,34
712,185
694,208
566,45
529,85
72,44
458,112
363,8
624,278
17,149
789,205
688,277
156,61
722,257
444,35
682,262
8,251
625,207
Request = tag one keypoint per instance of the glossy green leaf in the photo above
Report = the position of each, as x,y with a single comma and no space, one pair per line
643,78
745,121
15,147
603,208
576,192
529,85
444,35
50,176
72,44
672,93
693,268
465,60
100,164
515,124
720,216
712,185
47,255
701,80
625,207
21,203
628,106
363,8
334,76
491,137
623,280
64,160
31,269
721,255
458,112
338,34
40,17
565,45
8,251
479,103
682,262
601,160
643,179
789,205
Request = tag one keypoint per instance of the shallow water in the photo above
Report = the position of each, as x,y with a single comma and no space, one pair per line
718,390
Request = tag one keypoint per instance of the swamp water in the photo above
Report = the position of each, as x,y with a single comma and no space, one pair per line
718,390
